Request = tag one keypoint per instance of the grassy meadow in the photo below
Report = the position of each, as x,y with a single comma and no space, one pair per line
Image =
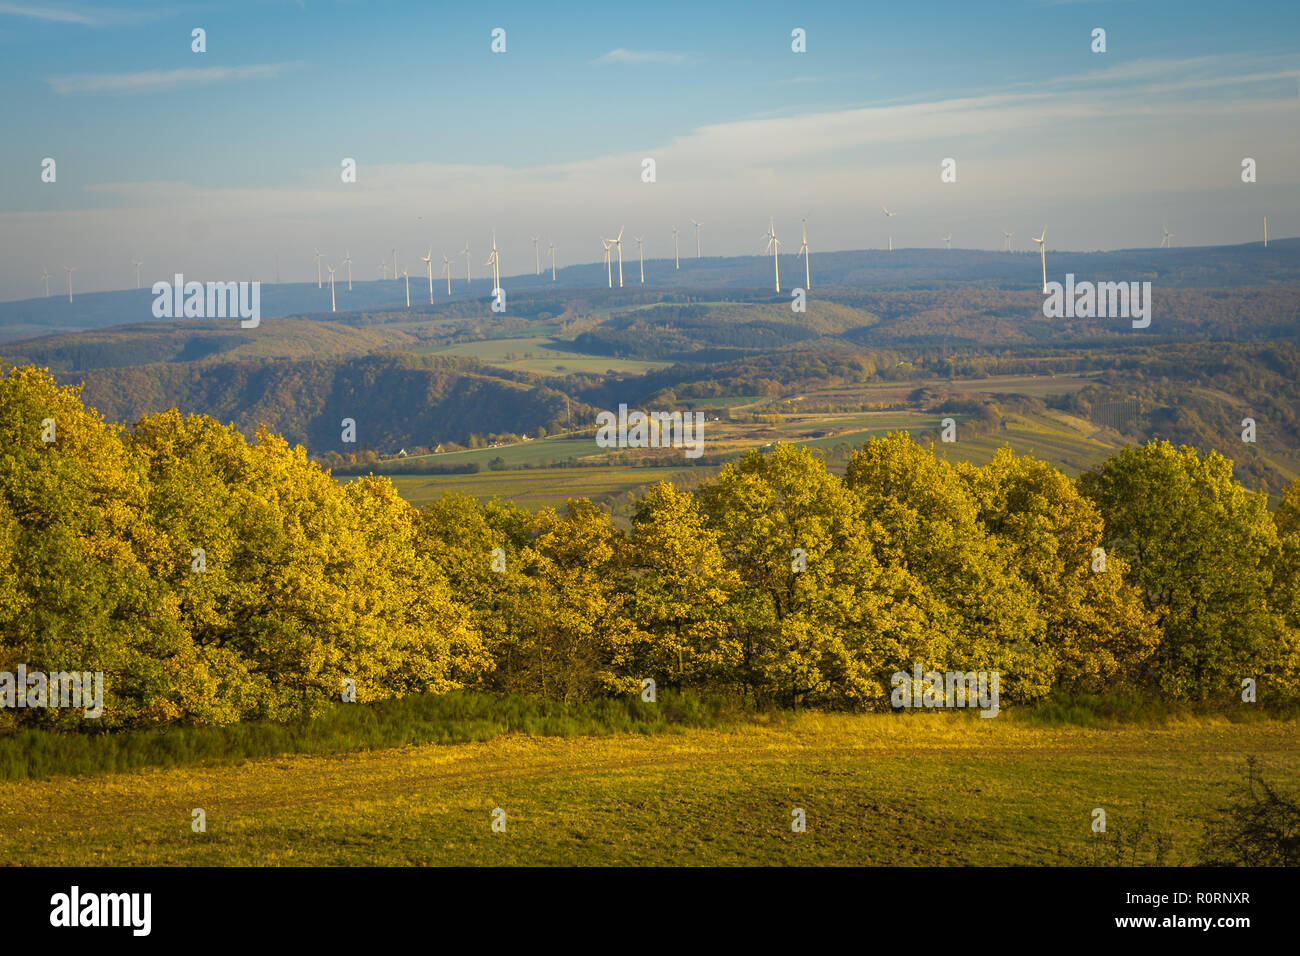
534,488
878,789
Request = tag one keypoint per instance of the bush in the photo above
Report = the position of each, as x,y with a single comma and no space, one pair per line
1258,827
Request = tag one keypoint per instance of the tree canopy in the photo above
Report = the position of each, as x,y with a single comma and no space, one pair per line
214,579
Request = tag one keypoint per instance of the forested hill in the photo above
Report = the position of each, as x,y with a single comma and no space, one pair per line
395,400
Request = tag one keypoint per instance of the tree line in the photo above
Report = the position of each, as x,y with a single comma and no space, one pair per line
214,579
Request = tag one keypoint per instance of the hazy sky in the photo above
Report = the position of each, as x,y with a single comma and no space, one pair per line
215,163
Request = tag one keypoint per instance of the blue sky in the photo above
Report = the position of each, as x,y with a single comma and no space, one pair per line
217,163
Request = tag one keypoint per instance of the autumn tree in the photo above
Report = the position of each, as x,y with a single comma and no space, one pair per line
978,612
1204,550
820,619
1099,633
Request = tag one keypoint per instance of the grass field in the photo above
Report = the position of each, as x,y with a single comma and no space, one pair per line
877,789
543,355
532,488
1065,441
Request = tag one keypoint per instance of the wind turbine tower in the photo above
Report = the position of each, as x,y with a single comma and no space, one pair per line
137,263
347,261
1042,248
319,283
69,270
45,274
494,260
697,226
333,305
640,256
889,215
537,257
618,243
803,251
774,247
428,260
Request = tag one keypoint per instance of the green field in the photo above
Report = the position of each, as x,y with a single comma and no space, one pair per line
1054,437
542,451
544,356
920,789
532,488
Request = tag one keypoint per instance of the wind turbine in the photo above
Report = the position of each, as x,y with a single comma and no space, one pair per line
697,237
774,247
465,252
1266,232
1006,240
618,242
803,251
677,259
347,261
494,260
137,263
640,257
407,275
383,269
45,274
330,270
69,270
537,258
1164,242
318,278
428,260
1042,248
947,241
446,270
394,262
889,215
550,247
608,268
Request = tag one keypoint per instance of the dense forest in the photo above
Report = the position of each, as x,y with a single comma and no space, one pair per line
776,580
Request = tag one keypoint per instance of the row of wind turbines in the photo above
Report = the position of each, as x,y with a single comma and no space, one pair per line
611,247
616,244
493,261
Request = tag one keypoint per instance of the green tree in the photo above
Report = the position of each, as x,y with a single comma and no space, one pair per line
978,610
1205,550
820,619
78,595
1098,631
680,588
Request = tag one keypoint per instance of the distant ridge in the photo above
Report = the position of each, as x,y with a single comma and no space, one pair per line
1248,264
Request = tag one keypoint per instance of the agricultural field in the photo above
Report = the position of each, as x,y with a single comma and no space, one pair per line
542,355
534,488
1056,437
883,789
1067,443
1031,386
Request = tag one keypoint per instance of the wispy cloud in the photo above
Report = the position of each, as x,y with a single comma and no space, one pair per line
52,14
154,80
621,55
